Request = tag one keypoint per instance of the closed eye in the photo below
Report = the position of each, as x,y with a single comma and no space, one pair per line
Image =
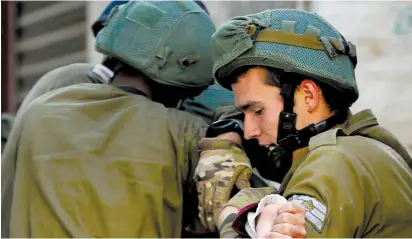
259,112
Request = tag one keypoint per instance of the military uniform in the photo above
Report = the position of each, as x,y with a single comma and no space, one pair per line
88,170
202,105
353,176
348,189
55,79
95,160
61,77
343,182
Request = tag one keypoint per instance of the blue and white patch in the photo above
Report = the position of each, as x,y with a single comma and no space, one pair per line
315,211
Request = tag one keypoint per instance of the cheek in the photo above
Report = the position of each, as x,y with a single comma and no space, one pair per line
270,121
301,112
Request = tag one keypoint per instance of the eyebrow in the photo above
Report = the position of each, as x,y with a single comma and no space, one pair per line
247,105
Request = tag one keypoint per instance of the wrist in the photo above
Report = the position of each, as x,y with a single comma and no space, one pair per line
231,136
226,211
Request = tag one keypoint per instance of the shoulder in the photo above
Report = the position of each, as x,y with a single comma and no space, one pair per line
353,149
185,121
75,69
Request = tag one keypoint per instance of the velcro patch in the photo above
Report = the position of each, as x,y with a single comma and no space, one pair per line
315,211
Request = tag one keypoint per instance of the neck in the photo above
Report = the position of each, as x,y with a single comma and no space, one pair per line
134,82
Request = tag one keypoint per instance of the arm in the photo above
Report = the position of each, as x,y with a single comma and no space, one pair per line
328,184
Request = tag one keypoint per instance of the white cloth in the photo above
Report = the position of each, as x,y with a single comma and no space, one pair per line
250,226
103,72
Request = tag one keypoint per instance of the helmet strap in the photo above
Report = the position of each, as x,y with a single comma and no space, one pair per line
288,136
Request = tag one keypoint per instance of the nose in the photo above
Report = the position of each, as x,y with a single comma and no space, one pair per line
251,126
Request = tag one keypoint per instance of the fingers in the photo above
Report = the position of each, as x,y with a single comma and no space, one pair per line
294,219
289,230
266,220
275,235
242,180
293,208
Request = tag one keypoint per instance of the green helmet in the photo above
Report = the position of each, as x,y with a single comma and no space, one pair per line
291,40
168,41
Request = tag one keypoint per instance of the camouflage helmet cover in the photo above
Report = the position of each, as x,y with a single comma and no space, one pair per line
291,40
168,41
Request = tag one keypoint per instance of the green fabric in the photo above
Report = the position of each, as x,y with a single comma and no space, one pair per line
202,106
61,77
233,47
58,78
357,172
287,38
93,174
168,41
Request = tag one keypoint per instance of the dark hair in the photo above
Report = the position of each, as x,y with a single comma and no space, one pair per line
334,98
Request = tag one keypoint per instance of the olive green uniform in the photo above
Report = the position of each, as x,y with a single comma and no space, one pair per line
61,77
202,106
355,182
88,153
55,79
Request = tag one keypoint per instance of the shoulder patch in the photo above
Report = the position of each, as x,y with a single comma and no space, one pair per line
315,210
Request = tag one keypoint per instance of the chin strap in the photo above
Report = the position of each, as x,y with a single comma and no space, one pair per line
288,136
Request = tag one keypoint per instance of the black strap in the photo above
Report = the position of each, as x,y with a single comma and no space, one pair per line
288,136
287,92
314,129
132,90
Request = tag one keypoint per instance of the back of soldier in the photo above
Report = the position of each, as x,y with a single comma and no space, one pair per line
104,160
107,167
61,77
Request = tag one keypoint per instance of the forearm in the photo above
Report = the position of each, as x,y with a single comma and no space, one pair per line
225,221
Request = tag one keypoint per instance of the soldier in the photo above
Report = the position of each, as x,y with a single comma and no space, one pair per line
203,105
111,160
292,75
76,73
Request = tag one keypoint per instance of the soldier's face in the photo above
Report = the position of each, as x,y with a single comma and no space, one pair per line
261,104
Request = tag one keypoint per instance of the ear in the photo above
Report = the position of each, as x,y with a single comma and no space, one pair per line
312,94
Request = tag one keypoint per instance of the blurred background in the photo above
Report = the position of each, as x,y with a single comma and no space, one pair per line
38,36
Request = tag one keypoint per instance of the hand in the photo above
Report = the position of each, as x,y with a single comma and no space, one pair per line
242,199
222,165
282,221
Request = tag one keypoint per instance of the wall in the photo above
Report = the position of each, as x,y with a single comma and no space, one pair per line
382,32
